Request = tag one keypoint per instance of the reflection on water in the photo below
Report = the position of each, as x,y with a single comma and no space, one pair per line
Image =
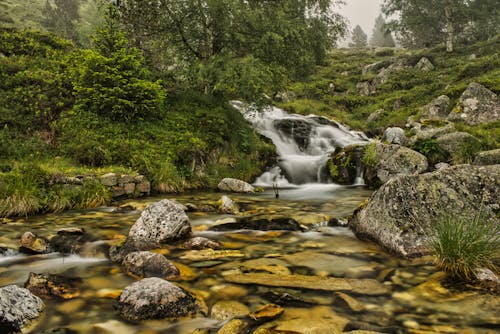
416,300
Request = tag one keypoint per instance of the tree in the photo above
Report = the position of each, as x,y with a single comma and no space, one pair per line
380,36
60,17
204,36
112,81
358,38
424,23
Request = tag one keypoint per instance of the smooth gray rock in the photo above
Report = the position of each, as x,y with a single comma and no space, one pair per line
394,136
154,298
161,223
235,185
477,105
399,215
437,108
18,308
149,264
487,158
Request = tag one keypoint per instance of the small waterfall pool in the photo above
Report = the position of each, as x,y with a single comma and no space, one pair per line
303,143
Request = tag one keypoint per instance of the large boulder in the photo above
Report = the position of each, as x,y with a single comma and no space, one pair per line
394,136
487,158
399,215
391,160
437,108
18,308
149,264
154,298
461,146
161,223
477,105
235,185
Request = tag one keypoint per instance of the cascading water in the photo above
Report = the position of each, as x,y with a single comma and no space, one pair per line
303,143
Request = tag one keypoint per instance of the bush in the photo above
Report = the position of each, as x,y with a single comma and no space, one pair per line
463,245
432,151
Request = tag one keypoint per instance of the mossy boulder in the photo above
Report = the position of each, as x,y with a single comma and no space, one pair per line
477,105
491,157
461,146
399,215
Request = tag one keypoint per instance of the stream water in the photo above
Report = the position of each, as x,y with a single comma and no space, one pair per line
416,301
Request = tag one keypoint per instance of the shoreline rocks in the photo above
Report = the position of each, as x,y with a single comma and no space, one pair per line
18,308
236,186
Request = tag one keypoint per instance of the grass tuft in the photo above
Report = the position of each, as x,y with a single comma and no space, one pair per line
464,245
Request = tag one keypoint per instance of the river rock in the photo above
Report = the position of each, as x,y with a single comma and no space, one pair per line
487,158
299,129
69,240
154,298
394,136
18,308
50,285
394,160
399,215
149,264
267,312
437,108
161,223
232,327
477,105
258,224
228,309
198,243
488,279
235,185
228,206
32,244
424,64
345,164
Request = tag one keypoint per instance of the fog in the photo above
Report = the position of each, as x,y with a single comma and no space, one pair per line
362,12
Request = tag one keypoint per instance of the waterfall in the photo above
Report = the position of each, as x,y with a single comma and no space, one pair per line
303,143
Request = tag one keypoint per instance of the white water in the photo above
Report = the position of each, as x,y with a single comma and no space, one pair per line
299,162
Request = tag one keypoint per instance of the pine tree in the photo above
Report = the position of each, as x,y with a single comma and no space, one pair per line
358,38
380,36
60,18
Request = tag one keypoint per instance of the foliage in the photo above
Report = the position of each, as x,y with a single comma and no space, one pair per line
358,38
113,82
432,151
380,36
60,17
463,245
370,157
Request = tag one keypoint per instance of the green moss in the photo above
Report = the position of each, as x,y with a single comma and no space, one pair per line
370,157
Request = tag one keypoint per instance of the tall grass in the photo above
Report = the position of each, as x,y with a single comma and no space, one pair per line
463,245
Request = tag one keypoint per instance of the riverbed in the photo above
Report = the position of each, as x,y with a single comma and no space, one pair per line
415,298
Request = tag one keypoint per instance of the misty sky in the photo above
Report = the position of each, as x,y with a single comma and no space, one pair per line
362,12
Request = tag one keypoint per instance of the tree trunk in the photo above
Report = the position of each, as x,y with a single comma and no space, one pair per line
449,28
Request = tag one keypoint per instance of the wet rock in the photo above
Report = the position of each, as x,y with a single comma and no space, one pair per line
437,108
154,298
286,299
488,279
266,313
330,263
477,105
401,213
228,206
113,327
235,185
198,243
357,286
118,252
228,309
210,254
232,327
161,223
345,164
32,244
364,326
148,264
390,161
353,304
487,158
228,291
424,64
300,130
394,136
200,208
58,331
275,224
69,240
49,285
18,308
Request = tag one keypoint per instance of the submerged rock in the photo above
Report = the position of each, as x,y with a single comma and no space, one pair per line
488,279
228,206
232,327
402,212
288,224
161,222
69,240
18,308
154,298
235,185
477,105
198,243
32,244
148,264
228,309
267,312
49,285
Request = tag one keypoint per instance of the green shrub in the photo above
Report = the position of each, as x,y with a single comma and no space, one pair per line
92,194
463,245
370,158
432,151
